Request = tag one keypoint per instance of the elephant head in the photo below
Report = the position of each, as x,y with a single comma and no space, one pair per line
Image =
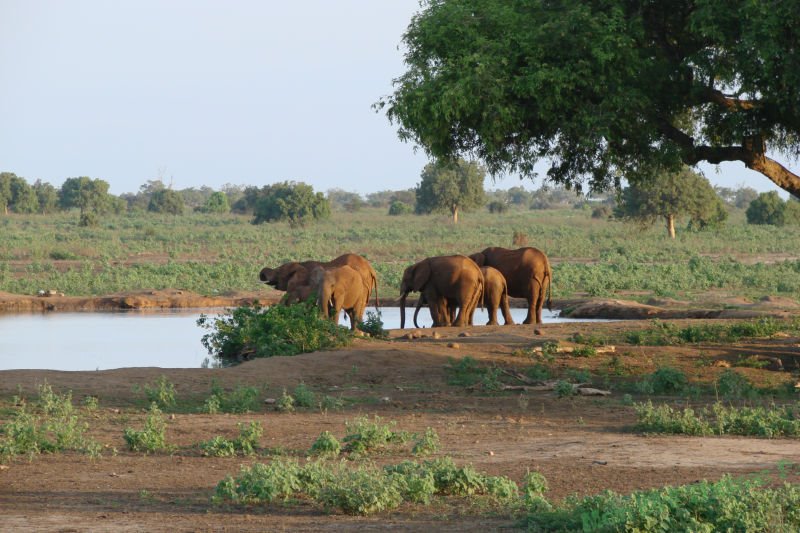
414,279
479,258
281,276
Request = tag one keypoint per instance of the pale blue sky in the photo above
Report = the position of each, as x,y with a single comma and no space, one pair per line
202,92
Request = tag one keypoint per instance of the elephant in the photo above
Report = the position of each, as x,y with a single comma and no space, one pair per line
495,296
450,307
445,282
290,276
527,272
338,288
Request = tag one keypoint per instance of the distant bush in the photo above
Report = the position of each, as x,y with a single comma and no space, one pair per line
497,206
400,208
769,208
248,332
296,203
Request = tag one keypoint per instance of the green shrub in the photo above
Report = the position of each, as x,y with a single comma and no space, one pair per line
373,325
733,385
415,482
663,419
303,396
365,436
248,332
161,392
665,380
464,373
242,399
564,389
51,424
361,491
285,403
326,445
152,437
218,447
724,505
426,444
261,483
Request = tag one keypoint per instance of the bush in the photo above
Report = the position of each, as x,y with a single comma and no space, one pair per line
426,444
247,332
497,206
162,392
364,436
152,437
296,203
768,208
242,399
326,445
361,492
373,325
261,483
400,208
665,380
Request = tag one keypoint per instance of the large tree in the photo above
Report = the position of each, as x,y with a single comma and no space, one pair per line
87,194
449,186
669,197
604,89
294,202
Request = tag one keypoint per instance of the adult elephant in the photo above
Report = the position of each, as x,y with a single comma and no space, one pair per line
293,275
527,272
495,297
341,288
444,281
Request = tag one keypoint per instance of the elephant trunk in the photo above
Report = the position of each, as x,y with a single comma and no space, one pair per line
416,310
403,310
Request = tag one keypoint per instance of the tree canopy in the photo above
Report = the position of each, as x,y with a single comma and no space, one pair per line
449,186
769,208
603,89
295,202
87,194
166,201
670,196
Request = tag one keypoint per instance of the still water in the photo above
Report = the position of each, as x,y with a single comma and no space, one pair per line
168,339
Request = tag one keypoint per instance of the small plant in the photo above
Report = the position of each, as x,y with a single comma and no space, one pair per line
326,445
550,349
373,325
285,403
665,380
218,447
261,483
364,436
564,389
584,351
249,435
538,372
490,381
464,373
330,403
91,403
152,437
361,491
303,396
751,361
427,443
415,482
162,392
733,385
242,399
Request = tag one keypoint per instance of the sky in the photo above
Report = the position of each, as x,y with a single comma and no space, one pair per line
208,93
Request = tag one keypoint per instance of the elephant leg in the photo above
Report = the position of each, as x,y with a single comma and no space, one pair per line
492,310
506,310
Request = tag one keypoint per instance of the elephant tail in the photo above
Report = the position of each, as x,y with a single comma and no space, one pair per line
375,284
548,278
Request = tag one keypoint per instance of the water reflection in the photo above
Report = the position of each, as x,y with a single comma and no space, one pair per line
167,339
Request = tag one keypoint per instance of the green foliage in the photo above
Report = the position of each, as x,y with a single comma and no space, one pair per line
50,425
261,483
450,186
769,208
151,438
303,396
361,491
464,373
242,399
670,196
427,443
285,403
88,195
294,202
162,392
373,326
601,89
665,380
216,203
772,421
733,385
166,201
326,445
725,505
245,444
248,332
564,389
366,436
665,333
397,208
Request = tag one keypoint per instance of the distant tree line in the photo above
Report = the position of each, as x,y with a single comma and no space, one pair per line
449,187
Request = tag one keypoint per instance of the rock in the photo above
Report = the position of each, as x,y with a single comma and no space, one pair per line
464,334
436,335
453,345
409,336
270,401
537,332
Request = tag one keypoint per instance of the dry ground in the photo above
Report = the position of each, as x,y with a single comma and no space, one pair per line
582,445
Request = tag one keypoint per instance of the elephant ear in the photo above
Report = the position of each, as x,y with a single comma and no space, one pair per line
289,271
422,273
479,259
267,275
315,276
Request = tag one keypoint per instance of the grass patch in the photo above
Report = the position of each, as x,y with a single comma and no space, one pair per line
666,333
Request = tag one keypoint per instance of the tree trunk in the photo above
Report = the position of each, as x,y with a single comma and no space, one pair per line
454,210
670,225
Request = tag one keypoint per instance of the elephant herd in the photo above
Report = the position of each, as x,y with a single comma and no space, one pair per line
451,286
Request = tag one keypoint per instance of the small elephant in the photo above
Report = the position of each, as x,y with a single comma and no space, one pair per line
446,282
495,295
528,275
289,276
341,288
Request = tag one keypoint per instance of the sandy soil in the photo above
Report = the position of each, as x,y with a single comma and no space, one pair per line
582,445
